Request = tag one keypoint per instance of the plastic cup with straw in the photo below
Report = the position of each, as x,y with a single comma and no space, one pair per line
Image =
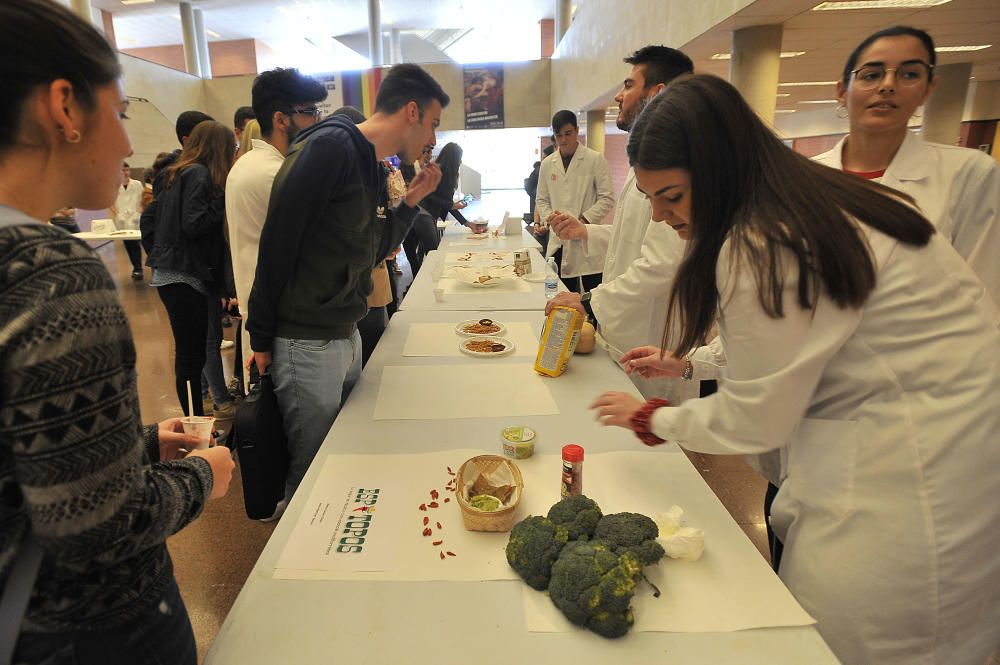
200,426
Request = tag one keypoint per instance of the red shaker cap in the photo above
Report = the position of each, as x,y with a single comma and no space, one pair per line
572,453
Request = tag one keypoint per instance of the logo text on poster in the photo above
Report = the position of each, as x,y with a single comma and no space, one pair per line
359,521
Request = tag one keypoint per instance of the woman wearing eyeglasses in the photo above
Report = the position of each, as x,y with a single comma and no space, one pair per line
886,78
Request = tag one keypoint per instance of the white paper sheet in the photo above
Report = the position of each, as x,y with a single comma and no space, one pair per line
730,588
470,273
492,256
484,389
453,286
394,546
440,339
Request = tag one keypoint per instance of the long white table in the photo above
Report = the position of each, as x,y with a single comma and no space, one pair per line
314,622
458,238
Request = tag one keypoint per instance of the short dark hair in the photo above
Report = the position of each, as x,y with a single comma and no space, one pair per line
187,121
561,119
662,64
895,31
41,41
549,149
242,115
278,90
407,83
356,116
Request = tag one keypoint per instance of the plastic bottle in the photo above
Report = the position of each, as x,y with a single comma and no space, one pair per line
551,279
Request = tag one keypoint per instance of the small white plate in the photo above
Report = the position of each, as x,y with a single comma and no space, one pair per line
477,236
461,325
535,277
494,281
508,347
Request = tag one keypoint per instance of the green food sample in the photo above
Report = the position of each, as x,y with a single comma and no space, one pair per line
485,503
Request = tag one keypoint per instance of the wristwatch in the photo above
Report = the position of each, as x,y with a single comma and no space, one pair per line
585,298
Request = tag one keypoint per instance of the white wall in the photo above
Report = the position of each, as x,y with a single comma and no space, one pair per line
982,101
587,65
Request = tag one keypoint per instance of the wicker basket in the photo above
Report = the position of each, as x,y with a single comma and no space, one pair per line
477,520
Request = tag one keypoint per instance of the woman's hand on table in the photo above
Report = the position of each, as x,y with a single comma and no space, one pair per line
616,408
649,362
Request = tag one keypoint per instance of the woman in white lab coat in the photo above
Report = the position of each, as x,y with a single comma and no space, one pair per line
860,344
886,78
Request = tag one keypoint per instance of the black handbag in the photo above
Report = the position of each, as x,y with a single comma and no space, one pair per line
262,449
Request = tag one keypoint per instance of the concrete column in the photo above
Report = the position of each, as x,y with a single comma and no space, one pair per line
191,61
109,28
943,111
82,9
395,46
375,33
204,60
595,130
564,16
755,65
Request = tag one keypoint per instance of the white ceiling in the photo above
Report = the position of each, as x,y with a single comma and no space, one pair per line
826,37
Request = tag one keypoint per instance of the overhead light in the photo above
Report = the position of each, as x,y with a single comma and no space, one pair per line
784,110
282,9
958,49
784,94
784,54
213,33
137,2
819,101
799,84
878,4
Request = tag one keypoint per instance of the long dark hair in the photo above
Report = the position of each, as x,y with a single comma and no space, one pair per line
40,42
212,145
449,159
771,204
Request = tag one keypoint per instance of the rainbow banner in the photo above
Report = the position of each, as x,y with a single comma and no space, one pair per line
360,88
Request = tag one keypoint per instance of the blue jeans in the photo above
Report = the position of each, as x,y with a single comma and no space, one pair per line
161,636
212,376
312,378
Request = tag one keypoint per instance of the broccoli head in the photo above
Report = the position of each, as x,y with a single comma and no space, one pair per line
535,543
631,532
578,514
593,586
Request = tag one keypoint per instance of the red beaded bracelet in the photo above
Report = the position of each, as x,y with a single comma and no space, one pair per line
640,421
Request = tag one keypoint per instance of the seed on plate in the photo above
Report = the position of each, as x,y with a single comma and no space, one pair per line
442,555
438,524
426,520
451,554
428,531
437,542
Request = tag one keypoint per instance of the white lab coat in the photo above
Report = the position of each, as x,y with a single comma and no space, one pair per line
641,258
582,190
129,206
889,418
958,190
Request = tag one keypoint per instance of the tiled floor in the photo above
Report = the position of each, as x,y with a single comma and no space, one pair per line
214,555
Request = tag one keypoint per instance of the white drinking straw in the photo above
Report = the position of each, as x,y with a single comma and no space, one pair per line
190,401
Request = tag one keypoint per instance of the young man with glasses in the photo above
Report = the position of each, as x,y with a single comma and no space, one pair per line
284,102
328,225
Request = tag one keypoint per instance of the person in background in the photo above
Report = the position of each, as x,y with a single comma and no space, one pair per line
183,235
857,341
87,494
441,202
531,182
126,211
183,126
574,180
284,103
641,258
885,79
251,131
424,235
241,117
327,227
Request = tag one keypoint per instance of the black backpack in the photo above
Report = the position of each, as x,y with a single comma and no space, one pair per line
262,449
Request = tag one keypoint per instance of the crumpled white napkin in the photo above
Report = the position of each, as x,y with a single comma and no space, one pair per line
679,542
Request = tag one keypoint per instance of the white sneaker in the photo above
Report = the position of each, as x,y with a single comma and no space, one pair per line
226,344
278,512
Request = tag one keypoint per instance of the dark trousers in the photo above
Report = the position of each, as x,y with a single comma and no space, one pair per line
134,250
187,309
777,547
371,328
161,636
422,238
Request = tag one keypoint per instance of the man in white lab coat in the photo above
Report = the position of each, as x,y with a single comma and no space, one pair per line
574,180
126,211
641,258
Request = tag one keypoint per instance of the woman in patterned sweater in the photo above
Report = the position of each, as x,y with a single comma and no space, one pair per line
80,478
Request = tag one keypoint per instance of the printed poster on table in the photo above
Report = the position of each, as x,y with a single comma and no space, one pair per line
483,96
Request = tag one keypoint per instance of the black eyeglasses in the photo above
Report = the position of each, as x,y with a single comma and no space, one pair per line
309,110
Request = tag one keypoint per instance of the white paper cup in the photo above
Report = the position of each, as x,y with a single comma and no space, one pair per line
201,427
439,295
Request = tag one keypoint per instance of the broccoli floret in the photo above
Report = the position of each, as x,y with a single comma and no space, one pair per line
593,586
534,545
578,514
631,532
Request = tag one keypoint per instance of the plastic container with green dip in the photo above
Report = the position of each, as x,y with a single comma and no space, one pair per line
485,503
518,441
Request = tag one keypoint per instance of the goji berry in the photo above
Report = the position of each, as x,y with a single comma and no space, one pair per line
423,506
433,504
442,555
427,531
451,554
426,520
447,499
434,494
437,542
438,524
